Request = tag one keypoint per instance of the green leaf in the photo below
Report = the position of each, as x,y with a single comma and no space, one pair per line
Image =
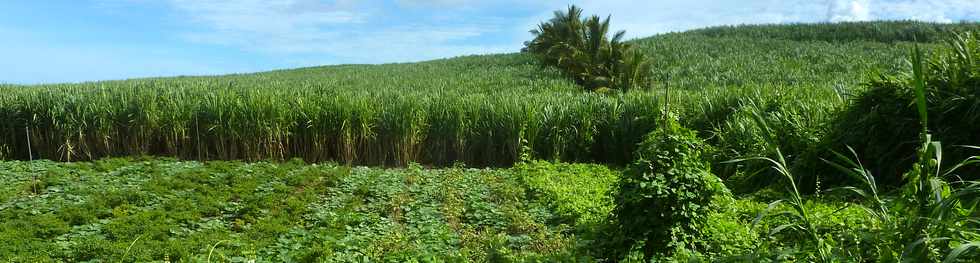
960,250
780,228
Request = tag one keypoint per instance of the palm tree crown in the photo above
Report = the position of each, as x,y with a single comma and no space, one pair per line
582,49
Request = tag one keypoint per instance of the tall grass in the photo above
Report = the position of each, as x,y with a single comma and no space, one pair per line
884,126
479,110
203,121
933,216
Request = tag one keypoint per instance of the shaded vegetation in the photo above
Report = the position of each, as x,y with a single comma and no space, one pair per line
882,123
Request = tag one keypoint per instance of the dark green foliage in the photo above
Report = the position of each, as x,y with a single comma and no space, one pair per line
883,123
762,125
933,218
582,49
665,196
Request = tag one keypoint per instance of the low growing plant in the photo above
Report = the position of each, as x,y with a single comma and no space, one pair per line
665,195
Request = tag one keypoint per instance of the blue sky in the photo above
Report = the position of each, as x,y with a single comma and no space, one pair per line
47,41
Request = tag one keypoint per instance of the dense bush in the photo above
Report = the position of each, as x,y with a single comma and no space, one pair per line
581,48
882,124
665,195
934,215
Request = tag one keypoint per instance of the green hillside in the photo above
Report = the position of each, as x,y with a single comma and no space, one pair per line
478,109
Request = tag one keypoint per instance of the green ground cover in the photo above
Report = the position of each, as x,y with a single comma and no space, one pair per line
160,209
139,210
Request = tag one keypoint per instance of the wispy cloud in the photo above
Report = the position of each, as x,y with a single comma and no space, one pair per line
373,31
270,17
339,31
926,10
849,10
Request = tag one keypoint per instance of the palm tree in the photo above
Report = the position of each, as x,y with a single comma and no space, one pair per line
582,50
558,38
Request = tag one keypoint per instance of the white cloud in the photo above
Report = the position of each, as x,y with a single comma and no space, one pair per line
343,31
269,18
928,10
848,10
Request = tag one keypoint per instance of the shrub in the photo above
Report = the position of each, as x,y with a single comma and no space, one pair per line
666,194
882,124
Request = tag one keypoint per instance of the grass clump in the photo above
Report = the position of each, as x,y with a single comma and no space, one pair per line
931,217
882,124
